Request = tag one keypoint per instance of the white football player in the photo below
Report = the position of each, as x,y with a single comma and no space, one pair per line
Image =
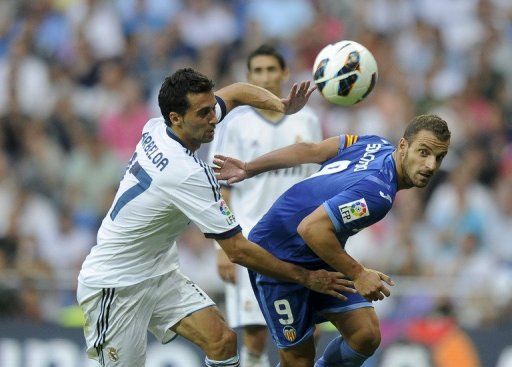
246,134
131,281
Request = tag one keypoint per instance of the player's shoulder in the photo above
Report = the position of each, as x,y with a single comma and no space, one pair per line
373,139
238,112
153,124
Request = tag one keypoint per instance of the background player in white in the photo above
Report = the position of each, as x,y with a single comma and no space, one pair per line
130,282
246,134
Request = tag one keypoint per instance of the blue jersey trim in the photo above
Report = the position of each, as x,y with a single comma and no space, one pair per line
224,235
343,139
333,218
348,308
223,107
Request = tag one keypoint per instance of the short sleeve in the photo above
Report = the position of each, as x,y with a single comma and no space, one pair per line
220,108
198,197
352,210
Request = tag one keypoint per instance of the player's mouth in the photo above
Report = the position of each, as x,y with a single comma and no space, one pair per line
425,176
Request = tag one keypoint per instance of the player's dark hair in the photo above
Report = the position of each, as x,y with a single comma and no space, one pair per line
173,92
432,123
266,50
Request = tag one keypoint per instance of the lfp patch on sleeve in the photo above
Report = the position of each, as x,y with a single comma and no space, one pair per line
354,210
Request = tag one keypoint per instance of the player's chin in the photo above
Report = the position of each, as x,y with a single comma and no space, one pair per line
422,182
208,137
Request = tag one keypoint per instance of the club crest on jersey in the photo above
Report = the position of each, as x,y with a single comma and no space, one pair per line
354,210
224,209
289,333
112,354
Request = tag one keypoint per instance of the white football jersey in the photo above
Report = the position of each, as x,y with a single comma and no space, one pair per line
165,186
245,134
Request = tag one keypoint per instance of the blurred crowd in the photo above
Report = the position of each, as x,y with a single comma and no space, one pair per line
79,79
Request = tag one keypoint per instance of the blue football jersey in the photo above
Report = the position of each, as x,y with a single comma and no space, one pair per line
357,188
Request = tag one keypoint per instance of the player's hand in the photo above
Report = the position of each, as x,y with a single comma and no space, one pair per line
297,98
225,268
230,169
328,282
370,284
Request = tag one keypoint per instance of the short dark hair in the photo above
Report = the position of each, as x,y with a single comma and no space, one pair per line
173,92
266,50
432,123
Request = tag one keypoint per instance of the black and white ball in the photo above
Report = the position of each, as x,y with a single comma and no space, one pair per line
345,72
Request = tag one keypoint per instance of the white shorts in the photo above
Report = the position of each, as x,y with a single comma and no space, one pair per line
117,319
242,308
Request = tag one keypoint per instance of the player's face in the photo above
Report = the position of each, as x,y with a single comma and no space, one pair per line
197,125
265,72
421,158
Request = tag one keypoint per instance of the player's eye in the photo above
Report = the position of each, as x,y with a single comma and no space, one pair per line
423,152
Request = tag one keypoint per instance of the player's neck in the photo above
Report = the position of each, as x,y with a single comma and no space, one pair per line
181,138
399,172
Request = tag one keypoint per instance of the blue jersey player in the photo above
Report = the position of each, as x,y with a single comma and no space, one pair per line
310,223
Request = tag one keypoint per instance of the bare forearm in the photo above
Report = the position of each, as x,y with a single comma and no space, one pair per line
239,94
290,156
324,243
254,257
294,155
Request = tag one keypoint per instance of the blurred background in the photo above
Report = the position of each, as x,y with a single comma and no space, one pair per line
79,79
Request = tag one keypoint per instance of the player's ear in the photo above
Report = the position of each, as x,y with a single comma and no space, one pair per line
175,119
402,146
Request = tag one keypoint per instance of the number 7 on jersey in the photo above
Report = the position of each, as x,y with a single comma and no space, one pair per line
144,182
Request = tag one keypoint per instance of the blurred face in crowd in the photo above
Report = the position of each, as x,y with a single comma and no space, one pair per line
420,159
265,71
197,125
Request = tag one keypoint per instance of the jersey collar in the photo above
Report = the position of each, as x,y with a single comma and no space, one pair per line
173,136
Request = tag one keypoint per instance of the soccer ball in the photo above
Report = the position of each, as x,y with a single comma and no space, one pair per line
345,72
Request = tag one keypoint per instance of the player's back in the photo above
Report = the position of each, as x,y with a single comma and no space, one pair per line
361,178
135,240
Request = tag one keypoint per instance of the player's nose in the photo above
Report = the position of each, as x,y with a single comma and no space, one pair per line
430,163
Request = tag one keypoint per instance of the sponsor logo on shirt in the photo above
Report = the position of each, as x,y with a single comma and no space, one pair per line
354,210
367,157
386,196
224,209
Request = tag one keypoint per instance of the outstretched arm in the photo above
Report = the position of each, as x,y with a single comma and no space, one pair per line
248,254
318,232
239,94
234,170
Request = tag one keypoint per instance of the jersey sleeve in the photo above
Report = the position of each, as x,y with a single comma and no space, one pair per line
199,198
227,141
220,109
359,207
346,140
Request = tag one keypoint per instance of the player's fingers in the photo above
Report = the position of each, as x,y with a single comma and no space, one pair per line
386,278
385,291
308,94
346,283
338,295
306,87
293,92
